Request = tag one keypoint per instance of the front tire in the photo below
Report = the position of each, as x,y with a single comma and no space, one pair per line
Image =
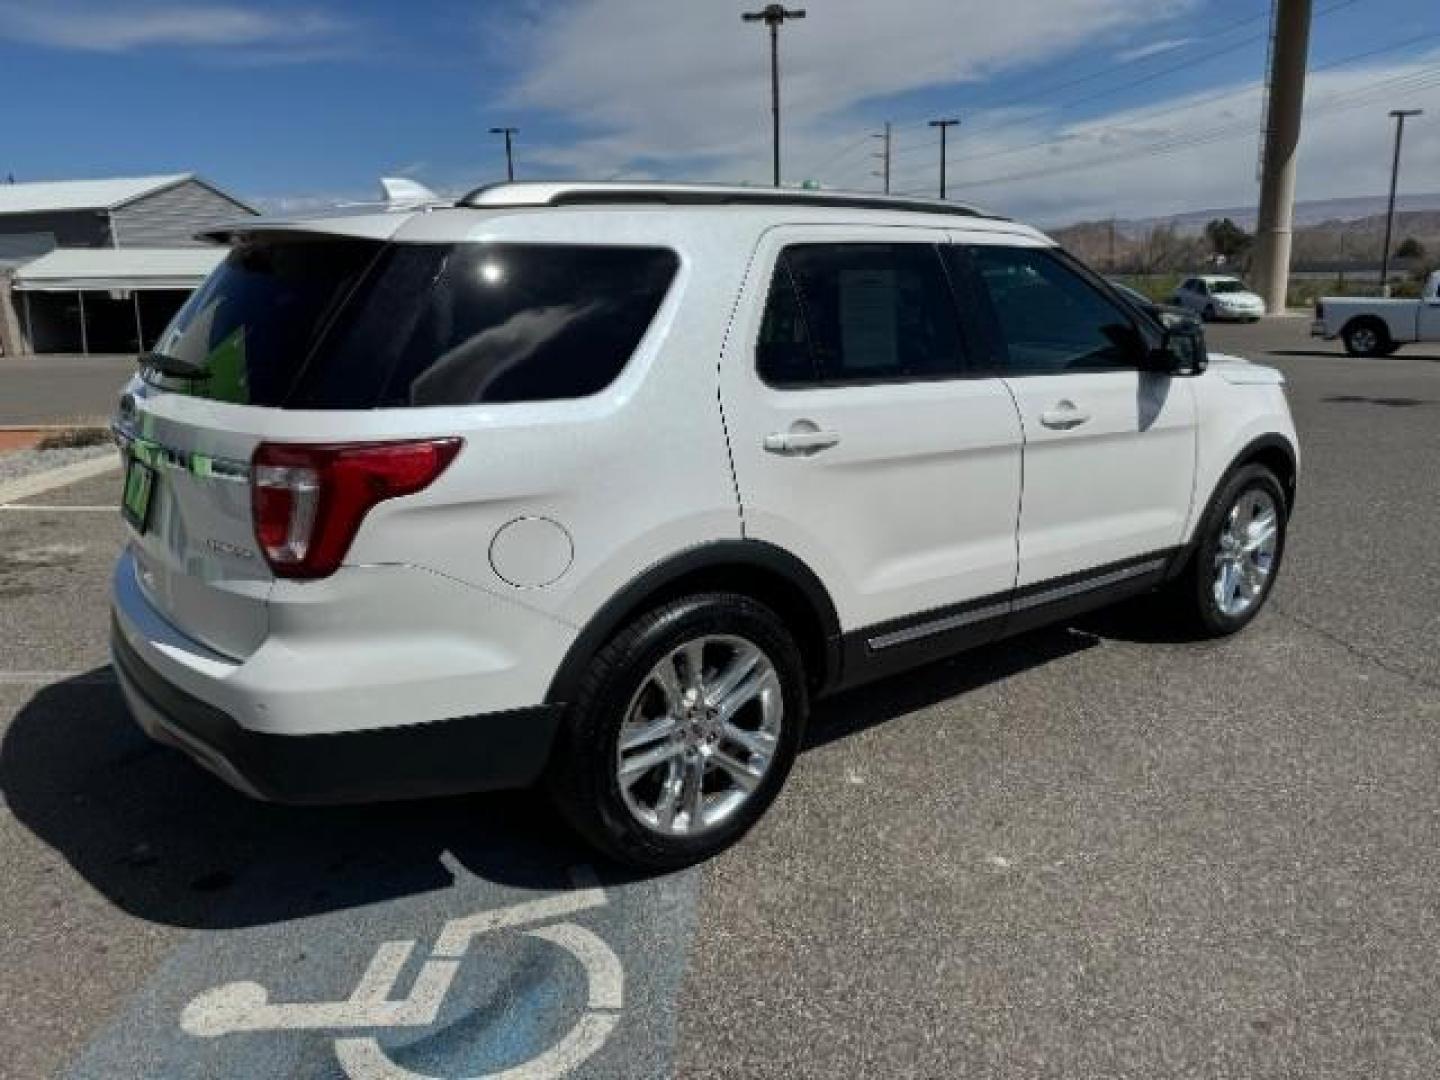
1208,315
682,733
1237,554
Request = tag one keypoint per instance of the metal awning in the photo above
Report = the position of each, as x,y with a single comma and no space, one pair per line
85,269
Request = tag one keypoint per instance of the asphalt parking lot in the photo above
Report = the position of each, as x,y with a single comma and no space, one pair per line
1092,851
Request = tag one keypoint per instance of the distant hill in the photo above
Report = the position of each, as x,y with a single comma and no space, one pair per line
1317,212
1329,233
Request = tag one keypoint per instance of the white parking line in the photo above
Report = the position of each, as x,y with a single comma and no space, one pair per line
60,509
39,483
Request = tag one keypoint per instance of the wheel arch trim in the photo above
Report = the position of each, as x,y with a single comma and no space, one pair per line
752,556
1252,452
1257,450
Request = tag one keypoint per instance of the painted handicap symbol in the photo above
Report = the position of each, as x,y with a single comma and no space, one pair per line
246,1006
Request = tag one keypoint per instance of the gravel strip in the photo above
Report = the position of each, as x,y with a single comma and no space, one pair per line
26,462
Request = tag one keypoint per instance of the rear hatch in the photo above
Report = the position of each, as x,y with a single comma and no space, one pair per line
191,536
191,421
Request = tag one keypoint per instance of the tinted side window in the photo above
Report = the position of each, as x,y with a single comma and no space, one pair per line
471,323
845,313
1052,319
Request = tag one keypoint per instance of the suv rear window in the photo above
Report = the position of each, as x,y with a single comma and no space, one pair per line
352,324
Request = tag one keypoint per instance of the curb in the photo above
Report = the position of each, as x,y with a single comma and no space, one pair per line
50,479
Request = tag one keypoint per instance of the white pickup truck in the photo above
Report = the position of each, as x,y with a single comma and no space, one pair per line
1373,327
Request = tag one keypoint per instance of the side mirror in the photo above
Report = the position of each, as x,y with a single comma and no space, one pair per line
1182,350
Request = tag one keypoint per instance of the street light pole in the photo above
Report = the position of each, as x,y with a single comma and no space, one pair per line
943,125
509,133
1400,115
773,16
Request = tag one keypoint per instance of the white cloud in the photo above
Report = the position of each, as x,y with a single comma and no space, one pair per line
1037,168
682,92
688,83
1154,48
95,27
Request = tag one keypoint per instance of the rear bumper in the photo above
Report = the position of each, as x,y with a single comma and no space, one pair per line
442,757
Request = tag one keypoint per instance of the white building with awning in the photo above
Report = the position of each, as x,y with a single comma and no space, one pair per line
151,282
91,266
124,269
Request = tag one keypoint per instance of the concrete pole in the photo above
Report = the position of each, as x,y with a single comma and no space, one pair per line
1282,140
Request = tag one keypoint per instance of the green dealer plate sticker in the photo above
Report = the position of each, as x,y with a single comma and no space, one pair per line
139,488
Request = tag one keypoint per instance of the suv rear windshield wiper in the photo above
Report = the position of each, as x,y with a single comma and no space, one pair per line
172,366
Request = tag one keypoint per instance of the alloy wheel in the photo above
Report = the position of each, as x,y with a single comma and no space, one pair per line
700,735
1245,556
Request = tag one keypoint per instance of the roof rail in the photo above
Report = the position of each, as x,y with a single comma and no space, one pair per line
611,194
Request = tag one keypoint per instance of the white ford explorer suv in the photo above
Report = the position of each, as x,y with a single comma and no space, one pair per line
599,486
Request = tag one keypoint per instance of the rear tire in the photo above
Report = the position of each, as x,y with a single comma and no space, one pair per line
1366,338
691,775
1214,601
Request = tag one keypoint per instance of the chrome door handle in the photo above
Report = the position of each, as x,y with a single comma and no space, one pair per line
1064,416
800,443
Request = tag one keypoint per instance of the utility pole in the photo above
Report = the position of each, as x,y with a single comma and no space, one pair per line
1400,115
774,16
509,133
884,156
1290,48
1112,243
943,125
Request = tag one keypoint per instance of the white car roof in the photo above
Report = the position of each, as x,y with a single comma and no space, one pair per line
571,202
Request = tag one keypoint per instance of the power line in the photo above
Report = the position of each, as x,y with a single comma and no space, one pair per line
848,148
1427,78
1031,97
1194,103
1173,144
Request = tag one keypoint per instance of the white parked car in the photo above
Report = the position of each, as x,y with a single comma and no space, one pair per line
600,486
1217,296
1374,327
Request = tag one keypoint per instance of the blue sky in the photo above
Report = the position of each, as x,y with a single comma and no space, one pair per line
1071,108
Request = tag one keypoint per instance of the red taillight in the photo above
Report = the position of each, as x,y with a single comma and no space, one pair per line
308,499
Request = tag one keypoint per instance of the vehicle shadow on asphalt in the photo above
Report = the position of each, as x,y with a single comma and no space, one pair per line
879,702
167,842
